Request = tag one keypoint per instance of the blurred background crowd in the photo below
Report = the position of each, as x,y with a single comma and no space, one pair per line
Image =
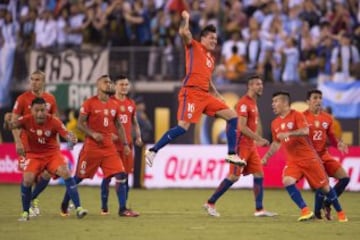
303,41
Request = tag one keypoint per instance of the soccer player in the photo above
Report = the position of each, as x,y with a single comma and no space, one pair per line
198,94
99,115
23,107
291,130
321,130
43,152
247,111
128,120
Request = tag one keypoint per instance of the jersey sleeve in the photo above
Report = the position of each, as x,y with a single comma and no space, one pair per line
85,108
60,127
54,108
242,109
19,106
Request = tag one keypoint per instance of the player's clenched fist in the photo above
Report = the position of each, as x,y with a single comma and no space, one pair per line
185,15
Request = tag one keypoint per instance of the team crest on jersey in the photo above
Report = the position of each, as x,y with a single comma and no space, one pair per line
47,133
290,125
48,106
282,126
113,112
39,132
130,109
189,115
243,108
208,63
106,112
317,123
122,108
325,125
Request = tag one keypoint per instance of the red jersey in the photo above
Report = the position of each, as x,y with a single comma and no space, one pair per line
297,148
42,139
200,64
101,117
320,126
127,110
23,103
246,107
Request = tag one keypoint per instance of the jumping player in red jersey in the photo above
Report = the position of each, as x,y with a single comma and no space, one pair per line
321,130
129,121
291,130
99,116
198,94
43,152
247,111
22,107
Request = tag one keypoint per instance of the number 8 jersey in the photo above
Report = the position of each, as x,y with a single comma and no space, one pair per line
101,118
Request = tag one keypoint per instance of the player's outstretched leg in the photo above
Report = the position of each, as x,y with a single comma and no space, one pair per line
295,195
232,157
331,195
258,189
105,196
169,136
120,187
64,209
41,184
339,188
25,199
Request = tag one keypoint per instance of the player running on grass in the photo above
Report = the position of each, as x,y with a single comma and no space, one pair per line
291,130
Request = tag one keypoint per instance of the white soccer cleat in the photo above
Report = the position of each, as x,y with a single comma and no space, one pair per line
211,210
235,159
264,213
34,209
149,157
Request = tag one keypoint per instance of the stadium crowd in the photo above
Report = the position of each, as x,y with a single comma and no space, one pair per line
288,40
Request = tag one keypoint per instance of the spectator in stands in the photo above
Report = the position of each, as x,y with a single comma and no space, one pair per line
235,66
291,57
27,28
309,63
62,24
145,124
8,41
76,25
235,40
254,50
310,13
344,60
324,52
340,19
46,31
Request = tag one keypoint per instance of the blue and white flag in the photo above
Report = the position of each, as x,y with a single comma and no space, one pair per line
343,98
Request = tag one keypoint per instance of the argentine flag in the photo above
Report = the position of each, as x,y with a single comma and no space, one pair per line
343,98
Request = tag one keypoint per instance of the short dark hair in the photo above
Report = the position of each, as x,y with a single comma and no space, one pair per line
311,92
38,100
253,76
283,93
103,76
206,30
120,77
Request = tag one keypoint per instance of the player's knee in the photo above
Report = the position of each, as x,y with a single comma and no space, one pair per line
63,172
46,175
28,180
121,177
233,177
287,181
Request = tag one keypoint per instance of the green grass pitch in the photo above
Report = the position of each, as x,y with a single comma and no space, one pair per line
173,214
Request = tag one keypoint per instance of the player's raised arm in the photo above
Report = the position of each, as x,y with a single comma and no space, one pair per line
184,29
